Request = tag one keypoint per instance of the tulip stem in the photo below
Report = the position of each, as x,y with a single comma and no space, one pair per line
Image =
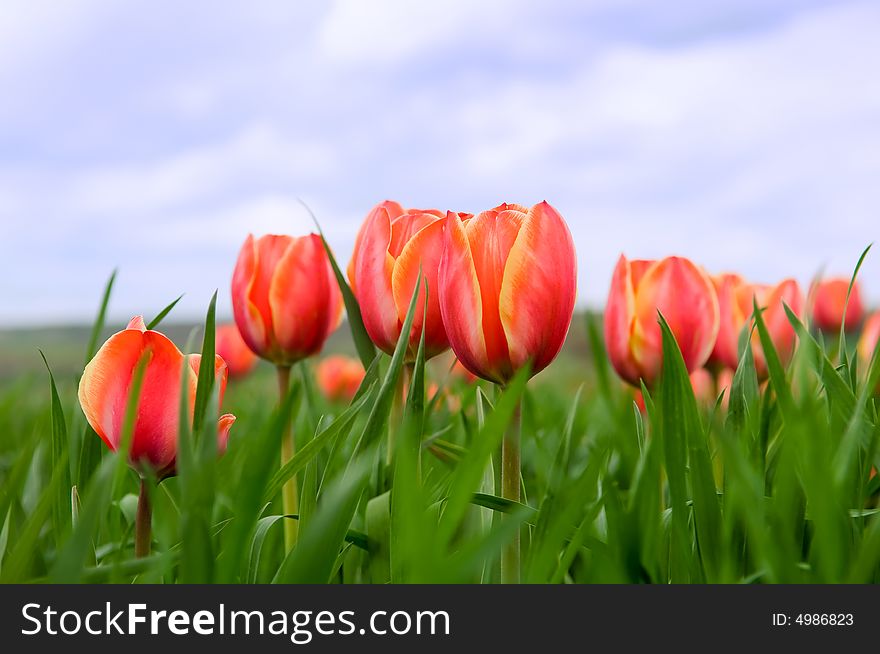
143,523
510,490
289,500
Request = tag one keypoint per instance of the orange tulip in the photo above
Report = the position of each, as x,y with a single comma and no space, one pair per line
106,382
508,283
829,301
239,358
339,377
870,338
736,299
678,289
285,297
392,247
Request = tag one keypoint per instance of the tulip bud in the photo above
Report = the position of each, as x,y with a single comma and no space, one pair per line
829,302
340,377
673,286
285,297
106,384
393,247
508,284
239,358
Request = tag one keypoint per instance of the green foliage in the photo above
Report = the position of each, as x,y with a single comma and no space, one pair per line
771,484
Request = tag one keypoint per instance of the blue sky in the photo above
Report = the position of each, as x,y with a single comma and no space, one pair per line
153,136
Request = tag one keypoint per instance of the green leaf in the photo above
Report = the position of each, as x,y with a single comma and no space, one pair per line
164,312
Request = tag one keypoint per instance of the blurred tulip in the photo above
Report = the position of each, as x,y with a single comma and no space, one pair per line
392,247
339,377
736,299
460,372
701,381
703,385
104,393
732,290
829,302
724,384
678,289
870,338
285,297
239,358
508,283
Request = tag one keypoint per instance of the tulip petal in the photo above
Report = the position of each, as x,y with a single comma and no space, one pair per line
685,296
539,289
619,319
394,210
729,288
223,426
421,253
492,236
247,316
373,269
460,302
103,388
300,297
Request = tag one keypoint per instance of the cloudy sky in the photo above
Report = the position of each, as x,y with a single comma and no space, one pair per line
153,136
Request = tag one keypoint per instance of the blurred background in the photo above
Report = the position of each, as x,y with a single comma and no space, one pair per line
153,136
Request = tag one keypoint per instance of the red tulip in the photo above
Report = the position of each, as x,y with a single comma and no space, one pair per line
285,297
239,358
339,377
870,338
685,296
392,247
104,393
732,290
508,284
736,299
772,300
829,302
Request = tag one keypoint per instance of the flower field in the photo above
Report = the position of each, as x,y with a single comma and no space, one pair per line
700,430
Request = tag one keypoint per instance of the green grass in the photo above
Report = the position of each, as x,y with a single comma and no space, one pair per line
776,489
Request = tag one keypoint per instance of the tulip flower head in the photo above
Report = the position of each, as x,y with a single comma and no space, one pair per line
508,284
240,359
829,303
339,377
105,387
393,247
285,297
673,286
736,300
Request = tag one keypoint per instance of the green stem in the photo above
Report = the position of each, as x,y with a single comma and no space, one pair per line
289,498
510,490
143,523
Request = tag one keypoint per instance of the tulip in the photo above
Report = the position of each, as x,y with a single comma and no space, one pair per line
829,304
678,289
393,246
239,358
870,338
508,282
460,372
736,300
104,394
339,377
702,384
285,297
104,390
286,303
